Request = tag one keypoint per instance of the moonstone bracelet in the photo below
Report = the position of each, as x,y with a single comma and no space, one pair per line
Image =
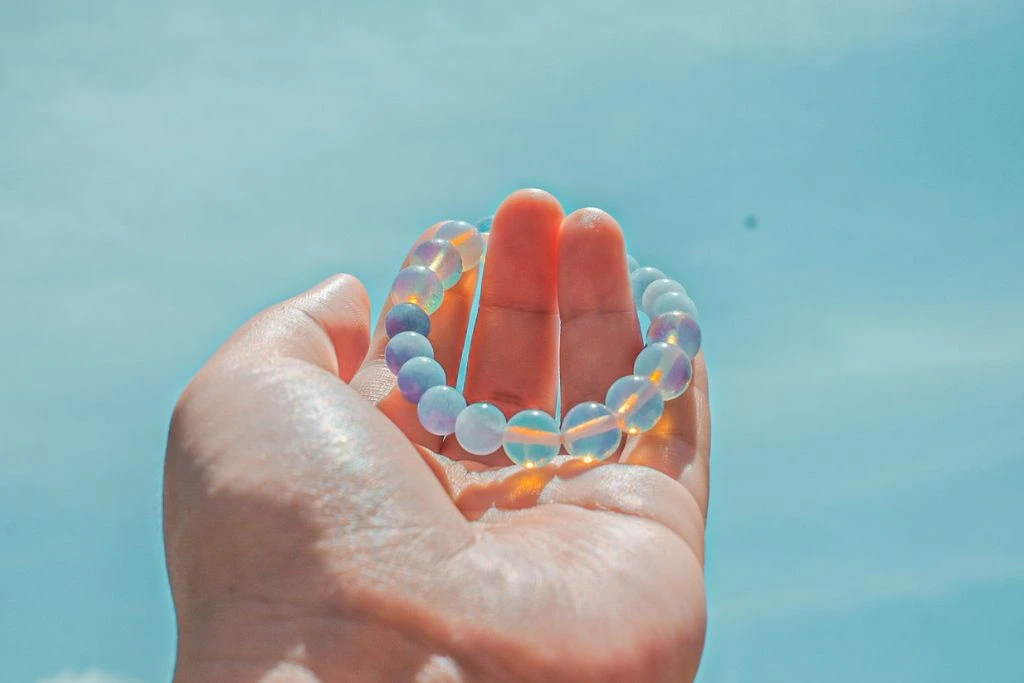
531,438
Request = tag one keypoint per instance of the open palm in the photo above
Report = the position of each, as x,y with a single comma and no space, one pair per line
315,532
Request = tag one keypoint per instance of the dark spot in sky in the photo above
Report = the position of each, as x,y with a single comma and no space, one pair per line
750,222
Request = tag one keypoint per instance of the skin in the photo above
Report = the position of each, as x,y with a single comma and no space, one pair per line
315,532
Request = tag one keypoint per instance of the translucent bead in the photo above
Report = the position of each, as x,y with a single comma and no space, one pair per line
656,289
405,346
667,366
484,225
675,327
591,431
440,256
641,277
636,402
407,318
438,409
418,285
417,375
466,239
631,264
479,428
532,438
673,301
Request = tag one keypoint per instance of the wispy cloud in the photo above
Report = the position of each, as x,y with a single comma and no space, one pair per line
88,676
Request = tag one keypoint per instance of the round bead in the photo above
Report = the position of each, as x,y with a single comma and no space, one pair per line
440,256
438,408
667,366
641,277
631,264
591,431
532,438
407,318
479,428
418,285
405,346
673,301
484,224
417,375
656,289
676,328
636,402
466,239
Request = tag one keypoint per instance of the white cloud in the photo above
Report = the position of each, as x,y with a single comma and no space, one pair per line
88,676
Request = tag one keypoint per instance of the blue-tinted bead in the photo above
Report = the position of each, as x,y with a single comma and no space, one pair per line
673,301
591,431
631,264
405,346
656,289
438,409
407,317
531,438
440,256
484,225
479,428
675,327
667,366
417,375
636,402
418,285
466,239
641,277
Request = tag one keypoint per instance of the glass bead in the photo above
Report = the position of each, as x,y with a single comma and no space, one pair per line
466,239
667,366
405,346
673,301
484,225
641,277
417,375
656,289
532,438
675,327
438,408
591,431
418,285
440,256
631,264
479,428
407,318
636,402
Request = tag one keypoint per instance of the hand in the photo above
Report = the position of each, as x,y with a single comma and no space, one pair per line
315,532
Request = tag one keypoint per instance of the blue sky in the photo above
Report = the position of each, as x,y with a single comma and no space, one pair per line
167,171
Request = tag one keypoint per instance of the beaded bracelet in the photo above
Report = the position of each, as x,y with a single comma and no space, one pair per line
531,438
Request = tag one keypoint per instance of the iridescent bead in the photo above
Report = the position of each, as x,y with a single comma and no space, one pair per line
673,301
531,438
440,256
466,239
641,277
438,409
676,328
636,402
484,225
631,264
417,375
418,285
667,366
656,289
591,431
479,428
407,318
405,346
